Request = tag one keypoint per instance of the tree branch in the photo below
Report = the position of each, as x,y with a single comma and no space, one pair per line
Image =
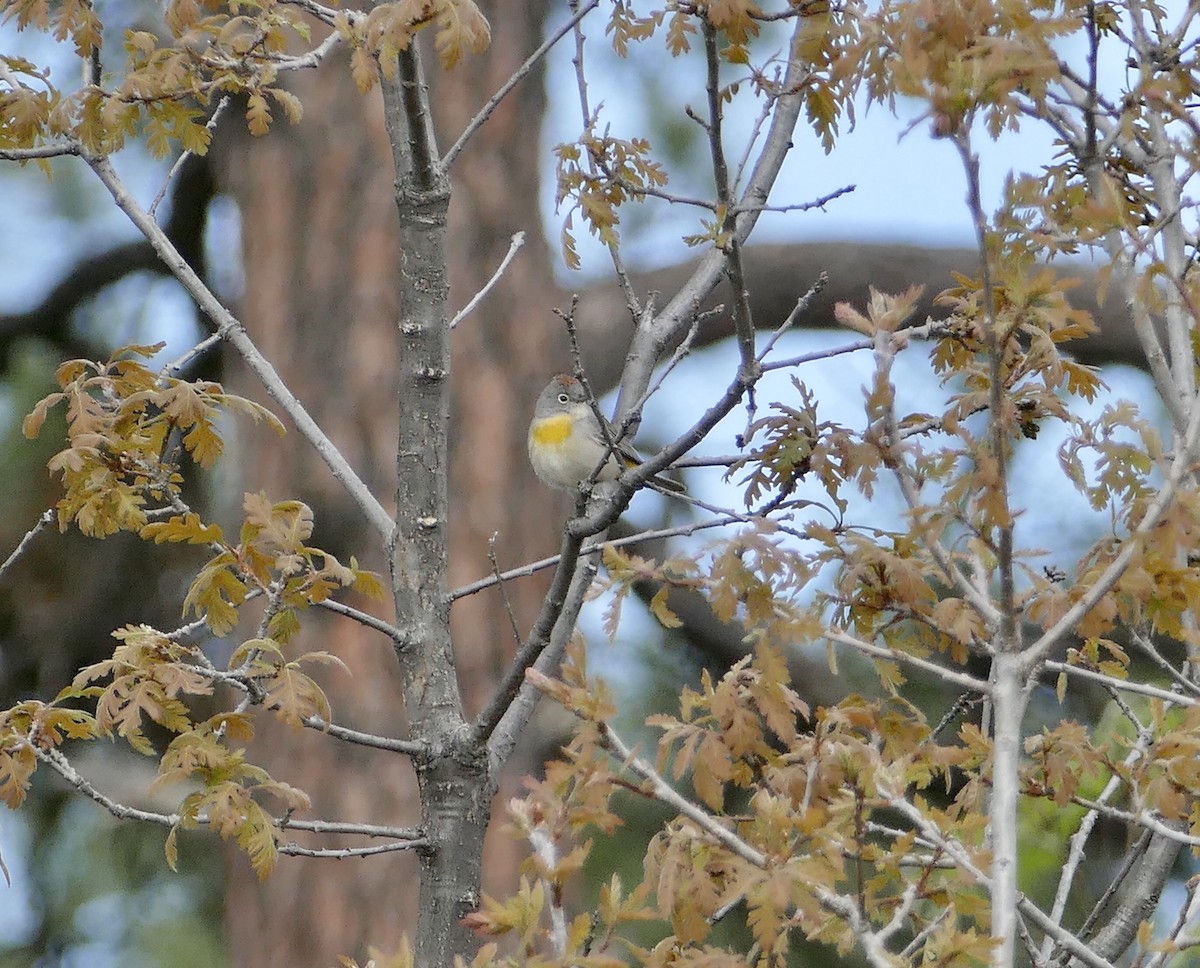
235,334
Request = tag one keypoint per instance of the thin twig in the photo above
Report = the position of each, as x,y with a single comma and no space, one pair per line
414,748
660,789
314,57
546,659
211,340
1189,915
363,618
41,151
590,121
1143,642
55,759
343,853
730,244
512,618
537,640
1079,839
962,857
950,676
645,350
289,822
802,304
518,240
521,72
524,571
1141,819
820,203
45,519
1128,685
210,126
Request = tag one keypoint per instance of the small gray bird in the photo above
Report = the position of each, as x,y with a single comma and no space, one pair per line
566,443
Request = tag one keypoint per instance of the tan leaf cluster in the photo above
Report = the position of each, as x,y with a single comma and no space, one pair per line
122,423
274,558
596,176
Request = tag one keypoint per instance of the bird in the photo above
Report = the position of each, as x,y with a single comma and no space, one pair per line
566,443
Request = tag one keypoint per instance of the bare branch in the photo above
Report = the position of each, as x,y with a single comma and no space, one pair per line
41,151
518,75
1143,642
342,853
414,748
817,203
54,759
516,714
524,571
518,240
45,519
362,618
660,789
963,859
535,642
649,340
343,827
1078,843
1127,685
235,333
950,676
801,306
731,244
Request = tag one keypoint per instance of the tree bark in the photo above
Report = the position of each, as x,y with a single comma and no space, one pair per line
322,282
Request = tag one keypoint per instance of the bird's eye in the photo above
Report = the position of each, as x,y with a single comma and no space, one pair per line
563,398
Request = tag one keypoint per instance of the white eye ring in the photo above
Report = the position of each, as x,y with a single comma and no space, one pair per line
563,398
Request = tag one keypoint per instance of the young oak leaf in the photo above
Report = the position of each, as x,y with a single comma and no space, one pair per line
53,724
267,653
369,583
198,753
17,765
152,693
258,837
662,611
187,527
461,26
296,696
216,594
280,527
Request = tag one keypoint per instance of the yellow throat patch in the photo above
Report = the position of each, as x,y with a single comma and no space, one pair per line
553,431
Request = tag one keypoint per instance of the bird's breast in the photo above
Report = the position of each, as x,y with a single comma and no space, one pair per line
552,431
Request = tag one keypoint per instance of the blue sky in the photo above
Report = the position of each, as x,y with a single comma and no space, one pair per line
910,188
